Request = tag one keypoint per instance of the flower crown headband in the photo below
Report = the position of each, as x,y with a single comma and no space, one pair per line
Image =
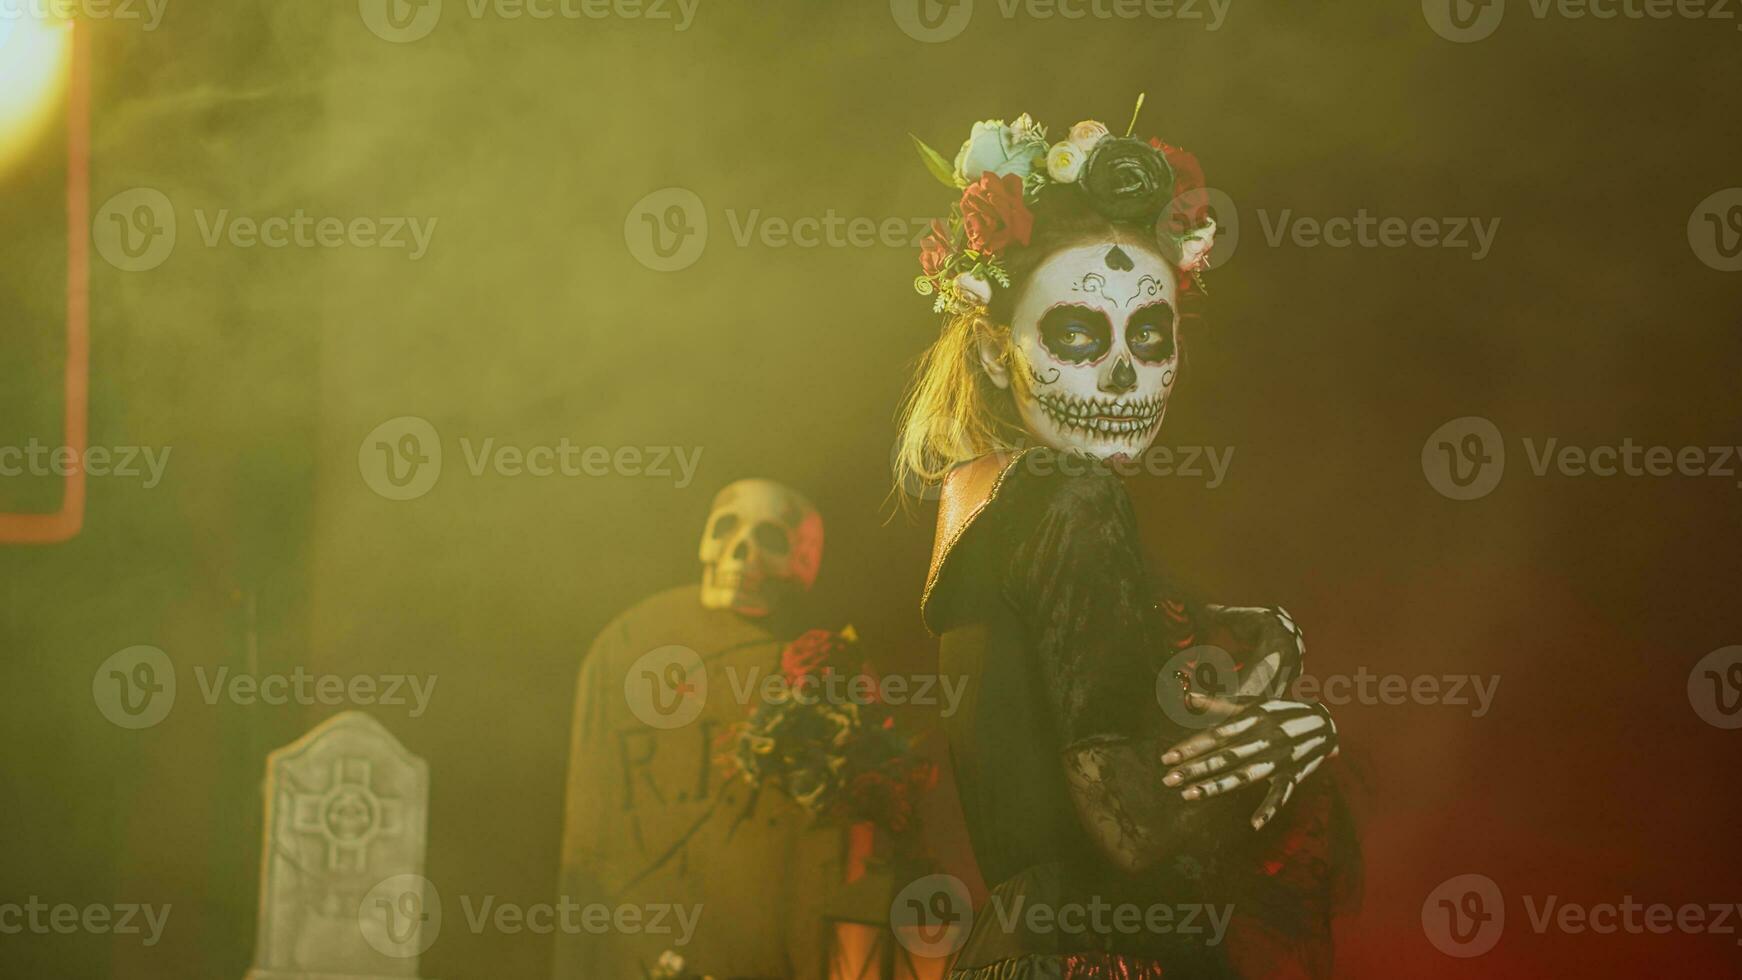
1002,169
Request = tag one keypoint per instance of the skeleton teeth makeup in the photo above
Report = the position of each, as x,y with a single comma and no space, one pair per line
1125,419
1093,340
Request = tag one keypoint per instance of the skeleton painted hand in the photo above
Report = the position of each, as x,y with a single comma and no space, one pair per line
1266,738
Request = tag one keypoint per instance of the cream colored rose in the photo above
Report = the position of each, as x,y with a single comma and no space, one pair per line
1064,162
1086,134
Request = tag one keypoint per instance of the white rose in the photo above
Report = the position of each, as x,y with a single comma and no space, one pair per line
1064,162
1194,247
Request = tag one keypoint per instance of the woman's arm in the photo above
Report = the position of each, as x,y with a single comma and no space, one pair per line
1077,579
1131,817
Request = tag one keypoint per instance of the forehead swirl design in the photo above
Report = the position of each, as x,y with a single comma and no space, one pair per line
1147,288
1092,282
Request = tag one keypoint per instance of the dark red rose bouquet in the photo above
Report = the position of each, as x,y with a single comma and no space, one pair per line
825,738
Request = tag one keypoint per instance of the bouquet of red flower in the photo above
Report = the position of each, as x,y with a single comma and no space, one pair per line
1003,168
833,748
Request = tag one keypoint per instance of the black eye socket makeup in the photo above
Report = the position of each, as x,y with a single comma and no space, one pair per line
1076,334
1149,333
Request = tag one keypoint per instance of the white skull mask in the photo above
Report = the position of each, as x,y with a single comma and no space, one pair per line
762,544
1094,349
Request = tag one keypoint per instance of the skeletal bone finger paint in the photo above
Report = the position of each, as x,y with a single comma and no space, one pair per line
1284,741
1248,774
1217,762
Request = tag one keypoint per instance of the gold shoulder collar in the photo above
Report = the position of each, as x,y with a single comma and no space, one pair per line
966,492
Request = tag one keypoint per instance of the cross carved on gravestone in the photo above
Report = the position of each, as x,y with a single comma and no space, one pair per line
342,892
348,816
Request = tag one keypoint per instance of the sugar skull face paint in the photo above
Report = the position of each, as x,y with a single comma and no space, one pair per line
1094,349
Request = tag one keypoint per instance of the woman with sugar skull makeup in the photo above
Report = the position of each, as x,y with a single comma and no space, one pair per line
1103,760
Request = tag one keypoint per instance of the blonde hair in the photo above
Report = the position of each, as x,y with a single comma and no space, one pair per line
953,412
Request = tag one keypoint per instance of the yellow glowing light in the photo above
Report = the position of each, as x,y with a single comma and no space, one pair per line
33,59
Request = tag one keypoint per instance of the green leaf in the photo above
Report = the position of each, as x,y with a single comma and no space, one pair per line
940,168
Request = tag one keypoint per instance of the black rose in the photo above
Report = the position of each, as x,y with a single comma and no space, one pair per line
1127,179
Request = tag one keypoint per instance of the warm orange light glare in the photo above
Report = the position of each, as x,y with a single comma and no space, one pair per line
33,60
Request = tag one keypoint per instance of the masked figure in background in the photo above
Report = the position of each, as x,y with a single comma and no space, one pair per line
1122,747
651,818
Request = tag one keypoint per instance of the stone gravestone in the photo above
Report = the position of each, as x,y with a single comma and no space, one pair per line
342,893
650,818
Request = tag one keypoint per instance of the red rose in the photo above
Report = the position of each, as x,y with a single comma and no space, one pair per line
1191,201
934,249
814,652
993,214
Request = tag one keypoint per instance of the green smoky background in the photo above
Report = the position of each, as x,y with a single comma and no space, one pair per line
530,318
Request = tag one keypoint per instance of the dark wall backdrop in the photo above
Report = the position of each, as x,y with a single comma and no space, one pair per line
530,319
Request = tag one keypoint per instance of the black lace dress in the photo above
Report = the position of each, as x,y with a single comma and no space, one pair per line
1043,603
